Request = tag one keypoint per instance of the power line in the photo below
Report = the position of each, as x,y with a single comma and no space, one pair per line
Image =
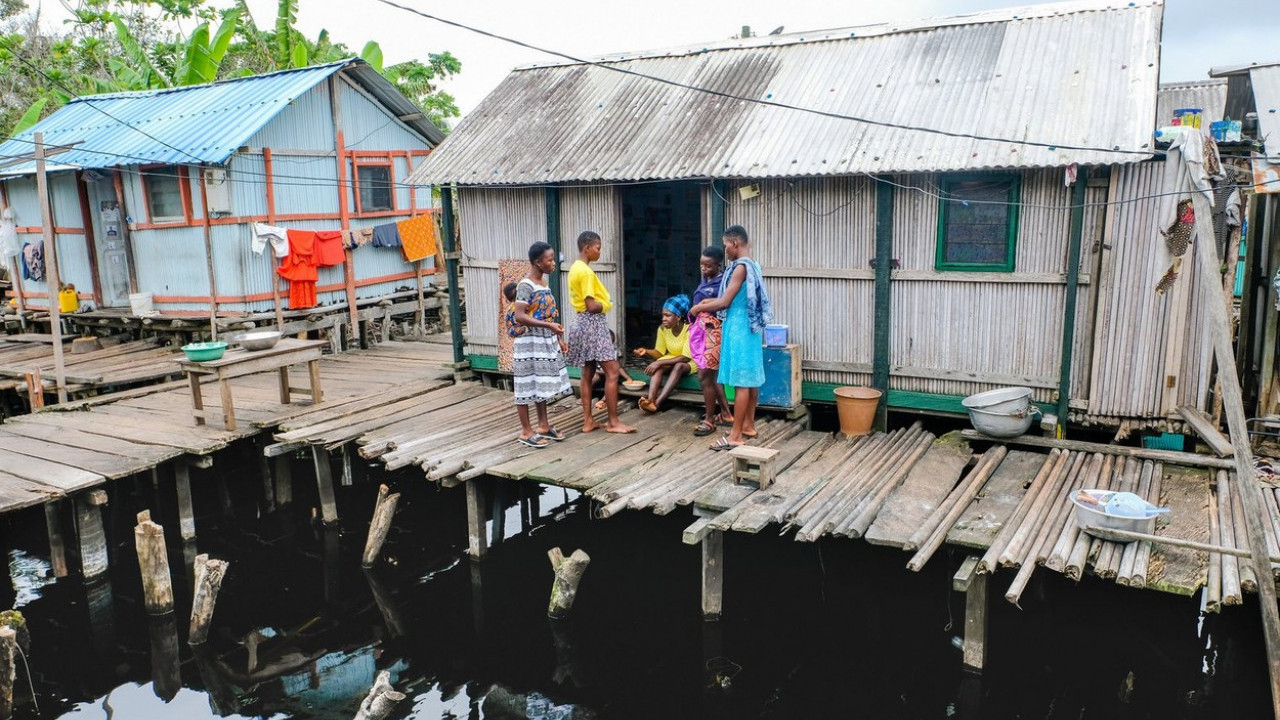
768,103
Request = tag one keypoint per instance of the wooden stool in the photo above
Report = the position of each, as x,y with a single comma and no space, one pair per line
753,466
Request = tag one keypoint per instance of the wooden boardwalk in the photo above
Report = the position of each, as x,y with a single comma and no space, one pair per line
906,489
25,358
82,444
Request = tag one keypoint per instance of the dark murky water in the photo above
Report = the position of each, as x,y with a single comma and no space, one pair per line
834,629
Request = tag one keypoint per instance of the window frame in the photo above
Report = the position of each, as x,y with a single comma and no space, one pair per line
179,174
1014,198
359,161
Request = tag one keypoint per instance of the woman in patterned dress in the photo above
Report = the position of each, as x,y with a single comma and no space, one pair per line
538,353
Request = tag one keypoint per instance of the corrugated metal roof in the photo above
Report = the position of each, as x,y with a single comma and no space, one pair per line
1208,95
1078,74
1266,99
193,124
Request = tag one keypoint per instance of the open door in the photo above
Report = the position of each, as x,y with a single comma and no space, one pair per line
109,232
661,243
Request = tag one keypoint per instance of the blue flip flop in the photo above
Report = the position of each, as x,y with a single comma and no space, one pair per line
533,441
552,434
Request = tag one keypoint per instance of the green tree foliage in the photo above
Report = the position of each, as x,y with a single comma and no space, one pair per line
123,45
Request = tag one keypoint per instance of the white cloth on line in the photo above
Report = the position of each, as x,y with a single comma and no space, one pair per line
10,246
277,236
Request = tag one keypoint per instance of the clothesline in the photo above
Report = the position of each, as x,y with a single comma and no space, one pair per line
303,252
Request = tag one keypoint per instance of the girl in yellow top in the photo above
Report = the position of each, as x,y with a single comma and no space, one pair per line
673,356
590,346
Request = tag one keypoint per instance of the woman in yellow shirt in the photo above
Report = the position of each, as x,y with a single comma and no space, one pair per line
590,346
673,356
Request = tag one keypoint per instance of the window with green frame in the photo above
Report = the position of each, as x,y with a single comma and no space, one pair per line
978,223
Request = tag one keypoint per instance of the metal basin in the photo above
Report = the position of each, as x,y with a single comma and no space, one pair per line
259,340
1002,400
1002,424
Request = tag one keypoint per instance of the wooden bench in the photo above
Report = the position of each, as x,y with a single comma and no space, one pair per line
240,362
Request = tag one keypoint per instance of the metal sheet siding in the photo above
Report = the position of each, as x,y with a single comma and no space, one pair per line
305,123
1079,74
494,225
1134,324
171,261
593,209
1208,95
1266,98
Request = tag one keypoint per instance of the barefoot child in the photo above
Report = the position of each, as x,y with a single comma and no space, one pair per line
747,309
672,358
589,344
704,341
537,354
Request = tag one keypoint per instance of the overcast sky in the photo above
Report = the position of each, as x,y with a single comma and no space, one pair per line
1197,35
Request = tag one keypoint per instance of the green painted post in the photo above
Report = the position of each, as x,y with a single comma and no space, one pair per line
451,270
884,266
1069,311
553,236
717,213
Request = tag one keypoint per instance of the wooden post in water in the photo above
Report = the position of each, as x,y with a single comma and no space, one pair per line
476,541
57,545
381,700
383,512
284,480
974,586
209,575
386,604
186,510
166,669
324,484
93,541
568,574
8,654
153,563
712,575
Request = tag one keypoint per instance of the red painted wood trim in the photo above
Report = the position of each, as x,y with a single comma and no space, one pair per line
256,297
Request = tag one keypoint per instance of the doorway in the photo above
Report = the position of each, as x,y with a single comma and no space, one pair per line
661,244
109,234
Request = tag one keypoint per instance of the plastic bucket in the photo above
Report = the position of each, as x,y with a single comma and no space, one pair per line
140,303
856,407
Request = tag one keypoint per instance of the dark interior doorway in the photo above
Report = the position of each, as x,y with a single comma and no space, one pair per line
661,243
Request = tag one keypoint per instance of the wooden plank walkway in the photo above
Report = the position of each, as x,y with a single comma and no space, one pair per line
113,366
892,489
82,444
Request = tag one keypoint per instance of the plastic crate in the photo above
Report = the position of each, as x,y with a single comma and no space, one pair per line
1164,441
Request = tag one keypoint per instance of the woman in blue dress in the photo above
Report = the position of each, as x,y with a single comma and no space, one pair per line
744,304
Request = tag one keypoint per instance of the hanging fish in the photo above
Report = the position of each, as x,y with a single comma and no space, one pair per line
1178,236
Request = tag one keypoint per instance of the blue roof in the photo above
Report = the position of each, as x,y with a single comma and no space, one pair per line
194,124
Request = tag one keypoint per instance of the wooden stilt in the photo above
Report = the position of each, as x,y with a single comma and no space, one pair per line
712,574
284,480
383,512
93,541
568,574
166,670
57,545
268,484
381,700
974,587
476,541
8,654
499,514
186,511
209,575
346,466
102,617
332,565
153,563
391,614
324,484
477,597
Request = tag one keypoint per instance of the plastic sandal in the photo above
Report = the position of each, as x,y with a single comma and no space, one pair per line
704,429
724,444
533,441
552,434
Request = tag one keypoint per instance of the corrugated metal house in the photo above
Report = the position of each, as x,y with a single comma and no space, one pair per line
157,190
942,148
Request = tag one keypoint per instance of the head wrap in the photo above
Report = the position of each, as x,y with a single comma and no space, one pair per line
678,305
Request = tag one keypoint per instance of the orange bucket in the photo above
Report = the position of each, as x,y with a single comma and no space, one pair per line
856,407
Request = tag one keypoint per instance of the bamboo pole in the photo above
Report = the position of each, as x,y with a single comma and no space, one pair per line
1214,586
1057,559
1058,510
1170,456
51,268
990,559
1129,556
1078,559
1248,578
1231,590
1108,565
961,502
1130,536
1016,548
868,510
1142,563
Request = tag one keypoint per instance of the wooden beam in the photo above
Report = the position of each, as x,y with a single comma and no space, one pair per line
1237,424
713,575
1207,430
51,267
1169,456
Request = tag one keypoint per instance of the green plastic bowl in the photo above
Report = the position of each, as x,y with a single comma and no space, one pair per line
205,351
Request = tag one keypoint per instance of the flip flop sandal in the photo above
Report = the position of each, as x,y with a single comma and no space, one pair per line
704,429
533,441
723,423
724,444
647,405
750,435
552,434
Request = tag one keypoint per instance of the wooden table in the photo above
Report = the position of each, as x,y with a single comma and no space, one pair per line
240,362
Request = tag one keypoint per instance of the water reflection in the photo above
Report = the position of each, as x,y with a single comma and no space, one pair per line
29,575
133,700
